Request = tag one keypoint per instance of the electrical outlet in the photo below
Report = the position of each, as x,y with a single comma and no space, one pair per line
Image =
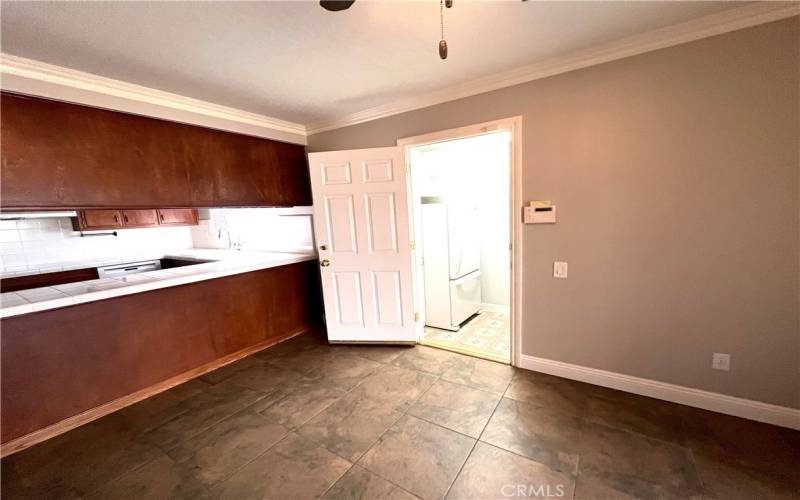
560,269
720,361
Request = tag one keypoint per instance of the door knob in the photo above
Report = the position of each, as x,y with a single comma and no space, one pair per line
325,263
323,247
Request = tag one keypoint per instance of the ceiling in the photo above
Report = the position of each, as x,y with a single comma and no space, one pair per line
296,62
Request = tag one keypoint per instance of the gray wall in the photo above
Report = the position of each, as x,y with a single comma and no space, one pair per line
676,178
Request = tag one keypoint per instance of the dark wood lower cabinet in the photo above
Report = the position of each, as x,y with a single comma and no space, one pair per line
47,279
59,363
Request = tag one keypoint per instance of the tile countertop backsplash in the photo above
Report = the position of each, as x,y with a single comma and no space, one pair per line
47,245
266,237
223,263
264,229
34,246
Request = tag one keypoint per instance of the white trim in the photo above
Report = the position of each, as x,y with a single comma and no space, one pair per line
720,403
514,125
703,27
37,78
32,77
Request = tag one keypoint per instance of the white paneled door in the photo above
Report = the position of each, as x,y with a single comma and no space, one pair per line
362,231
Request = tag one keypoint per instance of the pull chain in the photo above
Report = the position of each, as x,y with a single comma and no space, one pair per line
442,42
441,17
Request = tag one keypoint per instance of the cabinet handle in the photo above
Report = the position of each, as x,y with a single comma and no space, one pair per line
125,218
161,216
116,218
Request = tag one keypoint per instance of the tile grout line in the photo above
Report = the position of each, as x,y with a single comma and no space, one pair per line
353,463
372,445
290,430
575,480
477,440
402,413
165,453
293,430
696,469
266,450
584,418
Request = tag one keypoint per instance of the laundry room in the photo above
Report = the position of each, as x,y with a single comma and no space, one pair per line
460,203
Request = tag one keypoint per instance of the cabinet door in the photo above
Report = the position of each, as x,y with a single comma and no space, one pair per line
291,170
139,218
177,216
59,155
99,219
230,170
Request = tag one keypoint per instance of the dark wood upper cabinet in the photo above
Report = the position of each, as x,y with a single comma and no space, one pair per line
140,218
98,219
61,155
177,217
94,219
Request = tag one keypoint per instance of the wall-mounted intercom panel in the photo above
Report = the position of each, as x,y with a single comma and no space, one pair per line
539,212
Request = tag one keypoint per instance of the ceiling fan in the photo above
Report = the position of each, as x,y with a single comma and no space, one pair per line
337,5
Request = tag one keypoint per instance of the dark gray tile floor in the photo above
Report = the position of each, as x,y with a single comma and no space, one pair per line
304,419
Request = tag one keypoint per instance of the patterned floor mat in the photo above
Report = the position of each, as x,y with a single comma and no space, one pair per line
485,335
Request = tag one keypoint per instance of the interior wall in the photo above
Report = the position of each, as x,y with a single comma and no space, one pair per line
676,178
474,170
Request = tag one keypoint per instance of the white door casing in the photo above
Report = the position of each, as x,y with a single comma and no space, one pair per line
362,234
513,125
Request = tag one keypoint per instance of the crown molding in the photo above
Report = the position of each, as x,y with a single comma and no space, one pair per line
29,76
37,78
703,27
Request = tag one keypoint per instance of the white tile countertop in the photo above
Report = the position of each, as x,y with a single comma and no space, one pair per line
224,263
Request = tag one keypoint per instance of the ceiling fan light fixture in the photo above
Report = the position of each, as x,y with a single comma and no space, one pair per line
336,5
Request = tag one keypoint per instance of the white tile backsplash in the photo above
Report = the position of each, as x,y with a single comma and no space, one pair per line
264,229
51,244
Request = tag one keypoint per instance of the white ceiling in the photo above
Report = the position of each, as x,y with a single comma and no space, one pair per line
297,62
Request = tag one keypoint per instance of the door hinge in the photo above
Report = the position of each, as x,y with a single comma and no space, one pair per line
416,316
413,246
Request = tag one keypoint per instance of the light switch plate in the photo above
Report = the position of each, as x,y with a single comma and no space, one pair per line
721,361
560,269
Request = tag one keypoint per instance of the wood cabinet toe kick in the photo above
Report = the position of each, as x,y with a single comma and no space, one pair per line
64,367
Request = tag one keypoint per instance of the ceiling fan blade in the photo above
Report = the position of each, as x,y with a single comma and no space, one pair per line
336,5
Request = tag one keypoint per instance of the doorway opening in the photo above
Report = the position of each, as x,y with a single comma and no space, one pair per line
460,199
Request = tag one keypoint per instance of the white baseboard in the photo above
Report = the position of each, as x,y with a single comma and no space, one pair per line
720,403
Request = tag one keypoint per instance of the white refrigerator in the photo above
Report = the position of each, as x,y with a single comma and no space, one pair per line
451,261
